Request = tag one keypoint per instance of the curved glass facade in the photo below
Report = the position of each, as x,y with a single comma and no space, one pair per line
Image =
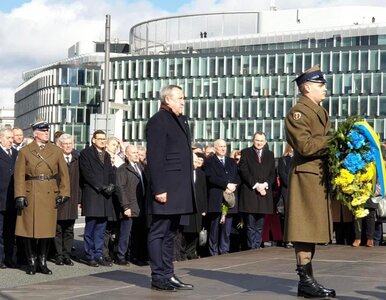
237,93
65,96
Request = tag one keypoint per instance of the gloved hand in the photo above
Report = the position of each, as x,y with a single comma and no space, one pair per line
61,200
108,190
21,202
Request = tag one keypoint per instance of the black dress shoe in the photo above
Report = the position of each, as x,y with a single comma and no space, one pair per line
102,262
163,285
59,261
92,263
121,262
11,264
67,261
179,285
3,266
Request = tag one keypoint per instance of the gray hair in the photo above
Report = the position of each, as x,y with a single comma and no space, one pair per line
166,91
65,136
4,130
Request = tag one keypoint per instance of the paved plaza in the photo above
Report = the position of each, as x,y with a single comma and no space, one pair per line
355,273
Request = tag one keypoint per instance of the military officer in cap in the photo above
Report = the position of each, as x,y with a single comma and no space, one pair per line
308,217
37,195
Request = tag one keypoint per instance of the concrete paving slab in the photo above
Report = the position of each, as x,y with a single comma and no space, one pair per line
355,273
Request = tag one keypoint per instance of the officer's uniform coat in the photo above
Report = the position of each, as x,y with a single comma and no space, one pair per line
38,219
308,217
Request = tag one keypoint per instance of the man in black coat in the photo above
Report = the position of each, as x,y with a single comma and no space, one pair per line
171,194
7,204
222,175
131,185
68,212
257,172
97,188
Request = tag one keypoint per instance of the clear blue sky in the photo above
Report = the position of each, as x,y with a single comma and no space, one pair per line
168,5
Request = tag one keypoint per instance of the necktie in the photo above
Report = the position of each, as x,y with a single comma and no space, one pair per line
9,152
41,147
222,161
140,177
259,155
68,160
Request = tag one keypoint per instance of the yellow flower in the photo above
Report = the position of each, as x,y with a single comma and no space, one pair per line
361,213
344,178
369,174
360,199
349,189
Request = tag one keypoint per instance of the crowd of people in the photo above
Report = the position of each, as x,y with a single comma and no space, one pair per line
172,201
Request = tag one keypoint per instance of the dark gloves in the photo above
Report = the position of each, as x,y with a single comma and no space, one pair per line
21,202
61,200
107,190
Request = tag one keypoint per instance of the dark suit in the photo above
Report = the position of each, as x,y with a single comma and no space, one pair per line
68,212
190,232
7,206
252,204
96,207
218,177
170,163
131,186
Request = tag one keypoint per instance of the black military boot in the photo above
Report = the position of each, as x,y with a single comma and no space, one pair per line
29,247
308,287
43,253
311,273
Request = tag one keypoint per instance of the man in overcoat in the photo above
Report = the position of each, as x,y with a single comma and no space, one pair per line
308,217
97,176
222,175
171,194
68,212
38,194
257,172
7,204
131,184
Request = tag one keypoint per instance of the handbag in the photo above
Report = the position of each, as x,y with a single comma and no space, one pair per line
280,206
381,209
202,237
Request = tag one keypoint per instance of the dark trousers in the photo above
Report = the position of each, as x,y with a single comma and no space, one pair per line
7,235
219,234
191,242
125,225
94,237
367,223
254,224
138,239
160,244
64,237
110,239
2,254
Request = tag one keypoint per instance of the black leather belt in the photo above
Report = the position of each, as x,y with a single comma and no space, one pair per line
40,177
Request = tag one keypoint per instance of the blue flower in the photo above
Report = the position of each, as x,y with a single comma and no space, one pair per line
338,154
356,140
353,162
369,156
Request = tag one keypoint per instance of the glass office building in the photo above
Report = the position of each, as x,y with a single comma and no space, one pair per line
237,71
64,93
